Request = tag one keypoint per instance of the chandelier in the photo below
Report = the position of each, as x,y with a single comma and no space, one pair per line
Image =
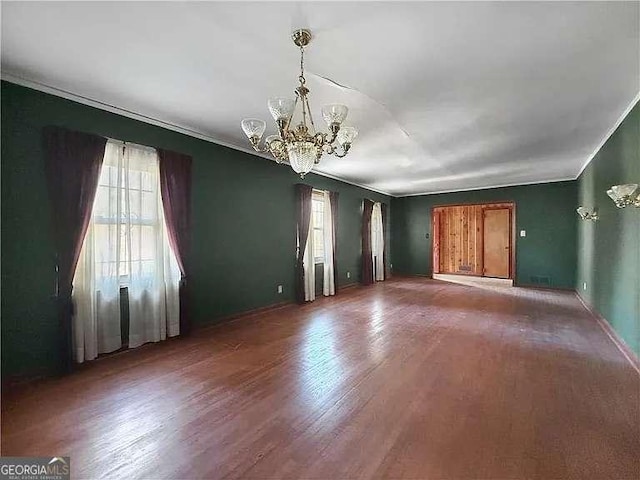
297,141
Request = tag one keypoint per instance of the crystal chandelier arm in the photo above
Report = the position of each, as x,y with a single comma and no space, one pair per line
320,139
334,133
345,150
255,143
328,148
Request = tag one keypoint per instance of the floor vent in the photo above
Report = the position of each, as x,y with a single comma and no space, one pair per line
465,268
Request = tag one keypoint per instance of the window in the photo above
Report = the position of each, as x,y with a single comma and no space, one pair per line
126,246
376,229
377,242
126,214
317,218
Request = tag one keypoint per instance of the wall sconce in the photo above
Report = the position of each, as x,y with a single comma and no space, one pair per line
625,195
585,214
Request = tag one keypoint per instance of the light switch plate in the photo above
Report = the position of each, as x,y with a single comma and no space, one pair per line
523,233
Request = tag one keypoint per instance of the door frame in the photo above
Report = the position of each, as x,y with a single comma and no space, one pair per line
496,205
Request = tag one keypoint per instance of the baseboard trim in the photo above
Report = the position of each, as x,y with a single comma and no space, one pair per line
629,354
540,287
218,322
262,310
400,276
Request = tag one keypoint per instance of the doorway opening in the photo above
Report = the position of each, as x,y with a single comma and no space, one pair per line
474,240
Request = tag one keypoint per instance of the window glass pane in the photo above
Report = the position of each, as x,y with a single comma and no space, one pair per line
134,179
101,202
105,176
126,214
318,226
135,242
148,182
149,207
113,211
134,212
124,251
318,244
105,250
148,243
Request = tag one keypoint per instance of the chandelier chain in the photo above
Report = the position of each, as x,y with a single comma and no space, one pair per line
301,77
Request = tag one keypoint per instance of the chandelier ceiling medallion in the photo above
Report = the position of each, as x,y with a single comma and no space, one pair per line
297,141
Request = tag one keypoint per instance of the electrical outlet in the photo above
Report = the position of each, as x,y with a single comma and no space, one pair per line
348,274
584,285
279,288
523,233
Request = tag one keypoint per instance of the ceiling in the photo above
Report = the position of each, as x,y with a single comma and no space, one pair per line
446,96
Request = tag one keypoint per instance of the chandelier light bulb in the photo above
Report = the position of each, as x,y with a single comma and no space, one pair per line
281,108
252,127
346,135
334,113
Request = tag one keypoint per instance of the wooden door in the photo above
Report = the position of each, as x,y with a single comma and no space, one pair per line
497,243
459,241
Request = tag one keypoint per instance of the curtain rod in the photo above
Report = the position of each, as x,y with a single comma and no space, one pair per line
125,143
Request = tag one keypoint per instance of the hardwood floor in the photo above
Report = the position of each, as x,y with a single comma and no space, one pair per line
412,378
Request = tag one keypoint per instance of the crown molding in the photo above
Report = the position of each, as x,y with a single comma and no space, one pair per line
472,189
84,100
615,126
58,92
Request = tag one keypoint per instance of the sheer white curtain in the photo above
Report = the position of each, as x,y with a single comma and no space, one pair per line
377,242
329,283
309,265
319,247
126,246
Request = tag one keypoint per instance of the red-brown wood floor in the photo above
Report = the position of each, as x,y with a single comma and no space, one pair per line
412,378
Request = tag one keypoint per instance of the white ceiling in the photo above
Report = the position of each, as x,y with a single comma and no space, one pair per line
446,96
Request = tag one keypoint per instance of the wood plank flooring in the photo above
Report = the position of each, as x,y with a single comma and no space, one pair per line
410,378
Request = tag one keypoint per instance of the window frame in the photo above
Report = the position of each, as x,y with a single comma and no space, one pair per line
317,196
134,221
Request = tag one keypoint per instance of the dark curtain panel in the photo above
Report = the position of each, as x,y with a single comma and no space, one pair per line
367,256
383,210
333,196
72,166
175,188
303,217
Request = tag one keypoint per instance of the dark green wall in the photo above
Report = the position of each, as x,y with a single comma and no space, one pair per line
243,224
609,249
545,211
